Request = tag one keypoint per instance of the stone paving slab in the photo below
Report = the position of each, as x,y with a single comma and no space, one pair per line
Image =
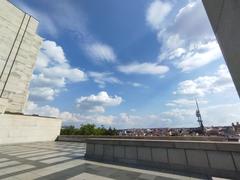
65,160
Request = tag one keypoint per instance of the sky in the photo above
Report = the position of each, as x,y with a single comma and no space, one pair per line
129,64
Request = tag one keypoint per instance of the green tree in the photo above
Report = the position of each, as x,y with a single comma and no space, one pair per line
88,129
67,130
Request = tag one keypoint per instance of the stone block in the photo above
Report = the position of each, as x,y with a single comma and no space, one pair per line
159,155
230,147
197,158
161,144
90,149
236,157
221,160
108,152
177,156
98,150
119,152
131,152
3,105
22,129
196,145
144,153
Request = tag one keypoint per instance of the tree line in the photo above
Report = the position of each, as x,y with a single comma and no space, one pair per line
88,129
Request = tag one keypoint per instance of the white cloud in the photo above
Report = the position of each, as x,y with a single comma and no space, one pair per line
66,16
178,115
182,102
68,117
156,13
66,72
221,114
136,84
53,51
203,85
101,52
40,80
144,68
52,73
46,93
174,41
213,115
33,108
200,55
192,24
103,78
188,40
97,103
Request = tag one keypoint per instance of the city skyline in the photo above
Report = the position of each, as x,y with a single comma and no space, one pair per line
135,64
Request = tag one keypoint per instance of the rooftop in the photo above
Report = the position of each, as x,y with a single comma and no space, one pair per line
65,160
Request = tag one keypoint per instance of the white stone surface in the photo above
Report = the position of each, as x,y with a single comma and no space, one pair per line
3,105
23,54
84,176
20,128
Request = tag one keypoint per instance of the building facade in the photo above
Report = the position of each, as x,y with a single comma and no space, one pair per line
19,47
224,17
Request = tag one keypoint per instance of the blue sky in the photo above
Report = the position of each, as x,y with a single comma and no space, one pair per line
137,63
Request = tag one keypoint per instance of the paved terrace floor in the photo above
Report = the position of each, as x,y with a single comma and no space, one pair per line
65,160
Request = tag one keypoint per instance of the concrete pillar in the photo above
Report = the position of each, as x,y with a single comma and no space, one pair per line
224,16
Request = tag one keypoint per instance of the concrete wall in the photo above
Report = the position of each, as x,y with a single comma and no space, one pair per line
213,158
19,46
21,129
224,17
83,138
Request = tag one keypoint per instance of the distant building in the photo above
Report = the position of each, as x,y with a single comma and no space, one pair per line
236,128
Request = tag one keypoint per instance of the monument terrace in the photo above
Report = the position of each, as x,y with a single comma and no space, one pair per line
31,146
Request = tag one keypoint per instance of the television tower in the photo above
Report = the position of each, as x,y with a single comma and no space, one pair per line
199,117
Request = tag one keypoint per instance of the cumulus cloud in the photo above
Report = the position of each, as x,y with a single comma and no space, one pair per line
191,23
68,118
188,41
219,82
52,72
102,78
198,56
65,71
53,51
194,56
156,13
33,108
48,93
97,103
144,68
